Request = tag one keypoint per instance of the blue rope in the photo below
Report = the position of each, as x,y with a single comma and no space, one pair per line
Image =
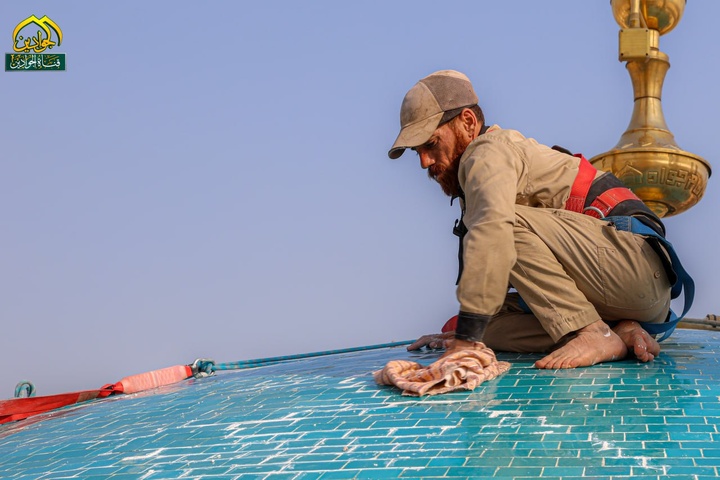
684,282
205,367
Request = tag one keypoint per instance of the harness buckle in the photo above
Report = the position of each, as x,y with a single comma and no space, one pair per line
600,213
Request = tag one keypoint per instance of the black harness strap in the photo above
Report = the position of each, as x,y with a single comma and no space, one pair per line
460,230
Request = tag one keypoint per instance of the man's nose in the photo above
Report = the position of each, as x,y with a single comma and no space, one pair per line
425,160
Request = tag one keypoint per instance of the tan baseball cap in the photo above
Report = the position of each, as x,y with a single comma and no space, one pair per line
425,105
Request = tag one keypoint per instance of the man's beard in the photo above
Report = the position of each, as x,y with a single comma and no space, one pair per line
447,176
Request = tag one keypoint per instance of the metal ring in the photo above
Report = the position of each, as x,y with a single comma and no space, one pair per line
594,209
203,367
24,389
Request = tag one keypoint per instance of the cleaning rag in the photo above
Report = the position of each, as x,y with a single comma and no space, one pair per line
461,370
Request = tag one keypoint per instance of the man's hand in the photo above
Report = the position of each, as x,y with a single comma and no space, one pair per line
454,345
433,340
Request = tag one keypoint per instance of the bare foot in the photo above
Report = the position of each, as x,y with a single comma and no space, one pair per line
593,344
637,340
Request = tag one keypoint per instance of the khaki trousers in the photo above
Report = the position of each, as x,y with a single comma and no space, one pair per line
573,270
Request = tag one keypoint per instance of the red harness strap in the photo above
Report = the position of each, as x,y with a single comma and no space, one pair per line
603,203
581,185
608,200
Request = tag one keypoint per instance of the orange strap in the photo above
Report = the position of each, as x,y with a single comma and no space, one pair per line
603,203
581,185
609,199
19,408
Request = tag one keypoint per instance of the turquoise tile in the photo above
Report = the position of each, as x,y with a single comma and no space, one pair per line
666,428
439,472
623,461
365,464
536,445
323,435
446,462
534,461
489,461
555,452
691,471
471,472
411,462
379,473
360,453
562,472
338,475
586,460
514,472
533,478
612,471
712,428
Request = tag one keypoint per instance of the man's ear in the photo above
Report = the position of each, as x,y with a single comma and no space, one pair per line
469,120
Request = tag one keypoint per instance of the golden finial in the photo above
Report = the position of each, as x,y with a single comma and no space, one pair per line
647,159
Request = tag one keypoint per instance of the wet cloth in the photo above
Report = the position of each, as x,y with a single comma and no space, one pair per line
462,370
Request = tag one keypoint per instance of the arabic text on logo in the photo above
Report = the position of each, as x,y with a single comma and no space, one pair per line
32,40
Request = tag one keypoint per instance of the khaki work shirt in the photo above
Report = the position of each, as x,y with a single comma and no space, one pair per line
500,169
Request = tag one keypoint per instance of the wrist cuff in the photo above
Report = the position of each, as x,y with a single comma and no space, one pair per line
471,326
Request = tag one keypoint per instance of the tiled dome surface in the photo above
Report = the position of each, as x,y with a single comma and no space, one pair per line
325,418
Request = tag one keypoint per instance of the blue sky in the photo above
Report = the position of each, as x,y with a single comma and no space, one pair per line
210,179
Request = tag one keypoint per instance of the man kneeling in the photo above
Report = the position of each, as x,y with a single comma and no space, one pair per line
533,219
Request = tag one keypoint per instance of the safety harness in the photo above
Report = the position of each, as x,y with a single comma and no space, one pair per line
638,223
607,198
603,203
